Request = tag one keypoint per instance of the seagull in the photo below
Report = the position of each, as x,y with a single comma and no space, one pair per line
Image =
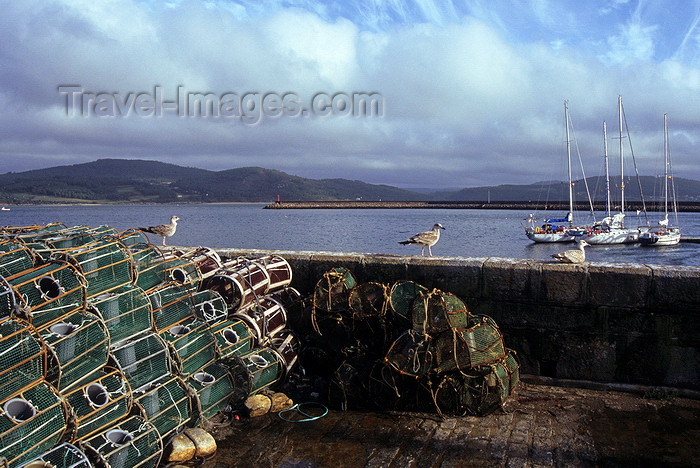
425,239
574,255
163,230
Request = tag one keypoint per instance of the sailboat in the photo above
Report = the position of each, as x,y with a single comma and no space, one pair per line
612,230
550,231
663,234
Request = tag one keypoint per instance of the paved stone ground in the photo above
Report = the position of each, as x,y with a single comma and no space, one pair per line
541,426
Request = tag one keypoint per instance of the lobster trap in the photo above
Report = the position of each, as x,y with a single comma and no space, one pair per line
193,344
332,291
8,305
131,237
77,345
142,359
207,260
131,443
401,298
125,311
240,283
171,304
148,263
264,367
105,265
411,354
438,311
47,292
31,422
15,257
368,300
64,455
22,357
265,317
233,338
278,269
99,402
183,270
210,306
288,346
167,404
214,387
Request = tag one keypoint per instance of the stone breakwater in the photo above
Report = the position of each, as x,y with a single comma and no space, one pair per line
603,322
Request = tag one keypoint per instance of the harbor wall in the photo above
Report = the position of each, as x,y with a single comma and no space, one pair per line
605,322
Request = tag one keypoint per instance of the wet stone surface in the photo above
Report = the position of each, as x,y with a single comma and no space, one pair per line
542,426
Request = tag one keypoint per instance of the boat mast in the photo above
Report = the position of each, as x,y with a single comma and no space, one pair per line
607,171
666,168
622,166
570,216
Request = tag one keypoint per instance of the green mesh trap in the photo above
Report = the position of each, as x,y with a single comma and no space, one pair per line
240,282
15,257
48,292
99,402
78,345
22,357
184,271
369,300
332,291
131,237
130,443
214,388
64,455
31,423
401,301
210,306
142,359
105,264
167,404
233,337
149,264
19,230
126,311
411,354
437,311
8,305
171,304
193,343
482,340
264,368
207,260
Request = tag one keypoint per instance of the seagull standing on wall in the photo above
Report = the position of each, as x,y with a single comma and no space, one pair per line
163,230
573,256
425,239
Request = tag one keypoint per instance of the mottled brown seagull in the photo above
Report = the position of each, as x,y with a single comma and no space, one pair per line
425,239
574,255
163,230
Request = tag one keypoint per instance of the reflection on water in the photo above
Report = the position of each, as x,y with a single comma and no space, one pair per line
469,233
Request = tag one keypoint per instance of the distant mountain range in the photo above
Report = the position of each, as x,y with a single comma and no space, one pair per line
139,181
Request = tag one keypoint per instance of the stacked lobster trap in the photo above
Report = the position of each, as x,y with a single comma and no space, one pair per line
110,346
405,346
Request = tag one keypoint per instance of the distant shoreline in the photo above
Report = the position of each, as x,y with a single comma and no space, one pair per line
461,205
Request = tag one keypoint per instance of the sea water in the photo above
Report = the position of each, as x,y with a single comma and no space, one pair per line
468,233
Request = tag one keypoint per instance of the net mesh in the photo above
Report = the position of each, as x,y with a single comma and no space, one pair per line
401,301
369,300
22,357
105,264
126,311
49,291
193,343
213,387
278,269
183,271
233,337
8,305
332,291
411,354
100,401
78,345
15,257
437,311
64,455
131,443
265,368
240,283
131,237
32,422
148,263
142,359
166,404
171,304
17,230
483,341
210,306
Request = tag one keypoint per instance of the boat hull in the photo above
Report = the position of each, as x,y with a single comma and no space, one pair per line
614,236
659,238
542,237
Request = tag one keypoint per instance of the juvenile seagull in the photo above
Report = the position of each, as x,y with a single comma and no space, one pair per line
573,256
163,230
425,239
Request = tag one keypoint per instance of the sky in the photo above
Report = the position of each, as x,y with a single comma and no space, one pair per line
461,93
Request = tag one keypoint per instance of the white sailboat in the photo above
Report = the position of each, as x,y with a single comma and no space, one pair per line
663,234
550,231
612,230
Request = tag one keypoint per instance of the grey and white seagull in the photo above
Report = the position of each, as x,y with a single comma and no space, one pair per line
573,256
425,239
163,230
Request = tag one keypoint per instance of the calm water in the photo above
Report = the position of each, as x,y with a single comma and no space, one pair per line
469,233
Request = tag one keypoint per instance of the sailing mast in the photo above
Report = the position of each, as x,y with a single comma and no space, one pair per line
570,215
666,168
607,170
622,165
